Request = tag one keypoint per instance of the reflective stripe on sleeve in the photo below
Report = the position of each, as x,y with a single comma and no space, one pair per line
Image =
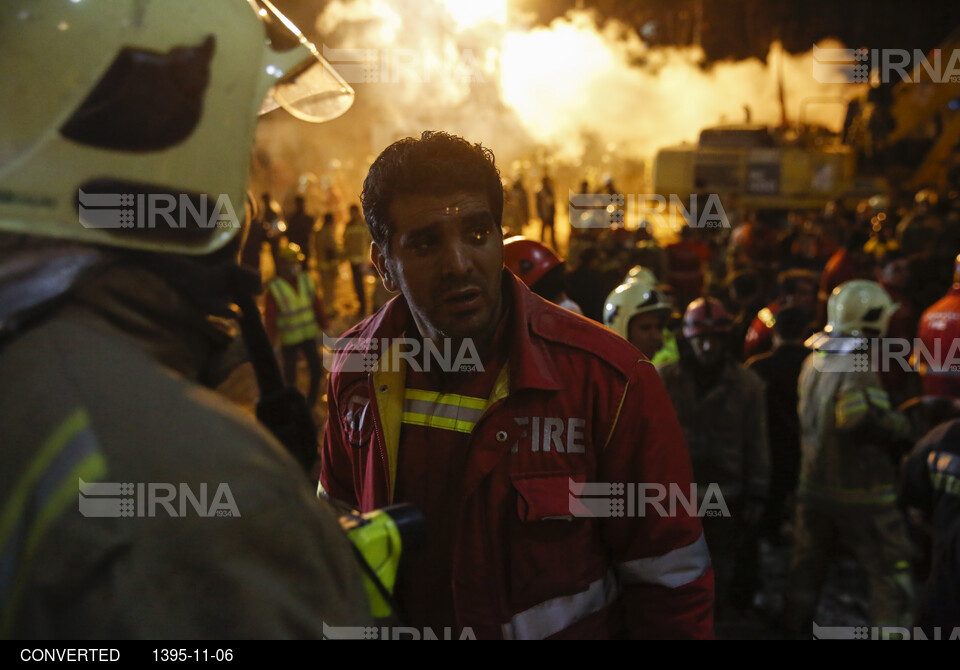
557,614
878,397
674,569
45,490
851,409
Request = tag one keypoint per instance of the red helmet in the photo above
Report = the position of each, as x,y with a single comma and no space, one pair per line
527,259
705,316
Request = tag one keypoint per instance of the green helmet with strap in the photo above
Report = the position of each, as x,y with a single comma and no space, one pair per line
116,107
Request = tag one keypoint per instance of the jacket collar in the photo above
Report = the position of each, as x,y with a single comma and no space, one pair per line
529,358
163,321
32,282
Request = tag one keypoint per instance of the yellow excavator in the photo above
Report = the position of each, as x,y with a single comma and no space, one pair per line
902,134
907,129
763,167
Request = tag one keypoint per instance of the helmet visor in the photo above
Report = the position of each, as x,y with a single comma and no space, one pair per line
310,90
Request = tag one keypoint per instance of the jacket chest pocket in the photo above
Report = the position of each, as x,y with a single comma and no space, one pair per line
543,497
549,545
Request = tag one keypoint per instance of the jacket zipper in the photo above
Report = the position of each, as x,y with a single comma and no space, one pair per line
381,447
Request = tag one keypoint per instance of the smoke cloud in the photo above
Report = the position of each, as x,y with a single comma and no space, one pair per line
575,98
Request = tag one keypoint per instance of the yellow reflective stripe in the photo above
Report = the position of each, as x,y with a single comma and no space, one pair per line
879,398
92,467
766,317
944,481
852,401
295,319
431,409
439,409
850,409
431,421
49,488
880,495
70,427
446,398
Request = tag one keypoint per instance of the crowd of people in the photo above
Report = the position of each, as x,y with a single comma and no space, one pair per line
726,312
730,317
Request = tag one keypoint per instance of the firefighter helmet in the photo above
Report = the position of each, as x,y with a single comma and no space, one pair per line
926,196
111,102
633,297
527,259
859,308
290,253
706,316
641,273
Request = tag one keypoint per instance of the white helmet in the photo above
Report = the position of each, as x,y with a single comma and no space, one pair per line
856,309
640,273
106,102
633,297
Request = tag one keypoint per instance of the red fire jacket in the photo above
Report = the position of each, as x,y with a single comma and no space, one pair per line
575,403
939,330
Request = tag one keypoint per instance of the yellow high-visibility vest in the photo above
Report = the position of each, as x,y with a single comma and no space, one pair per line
296,320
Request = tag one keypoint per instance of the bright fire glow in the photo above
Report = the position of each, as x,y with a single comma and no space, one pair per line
468,13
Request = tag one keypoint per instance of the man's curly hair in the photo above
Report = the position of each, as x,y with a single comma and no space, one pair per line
436,164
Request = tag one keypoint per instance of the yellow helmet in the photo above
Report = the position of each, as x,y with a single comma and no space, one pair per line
637,295
856,309
129,123
290,253
641,273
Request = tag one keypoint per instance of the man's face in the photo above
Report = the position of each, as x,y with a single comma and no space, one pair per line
709,349
446,256
646,332
289,270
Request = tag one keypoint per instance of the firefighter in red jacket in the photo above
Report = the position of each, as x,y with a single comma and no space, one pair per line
797,288
939,330
490,409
